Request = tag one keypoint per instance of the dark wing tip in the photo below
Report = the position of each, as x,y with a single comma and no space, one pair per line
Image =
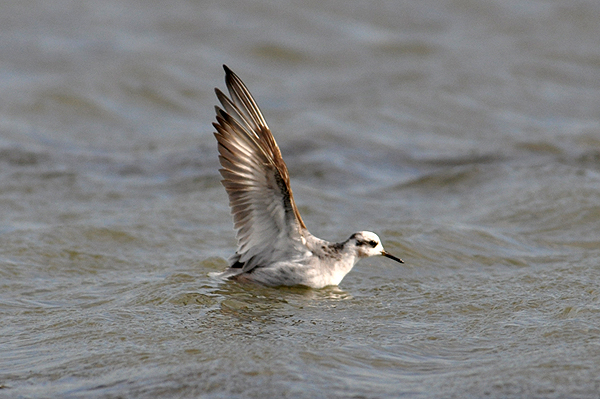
228,71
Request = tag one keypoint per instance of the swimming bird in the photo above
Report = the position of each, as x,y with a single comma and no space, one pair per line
274,247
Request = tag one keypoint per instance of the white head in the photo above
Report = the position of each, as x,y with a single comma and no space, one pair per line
368,244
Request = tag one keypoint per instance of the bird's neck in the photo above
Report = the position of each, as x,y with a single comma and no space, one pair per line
340,251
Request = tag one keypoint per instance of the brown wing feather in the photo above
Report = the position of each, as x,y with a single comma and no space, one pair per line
256,179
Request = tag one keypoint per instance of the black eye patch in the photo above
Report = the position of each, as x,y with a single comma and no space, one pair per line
373,243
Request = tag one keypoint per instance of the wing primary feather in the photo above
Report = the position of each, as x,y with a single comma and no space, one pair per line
256,180
238,90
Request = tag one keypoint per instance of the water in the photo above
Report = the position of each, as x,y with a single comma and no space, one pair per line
466,134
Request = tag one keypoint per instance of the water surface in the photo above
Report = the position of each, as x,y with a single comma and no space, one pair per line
465,133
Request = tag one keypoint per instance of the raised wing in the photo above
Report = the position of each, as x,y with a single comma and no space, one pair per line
256,178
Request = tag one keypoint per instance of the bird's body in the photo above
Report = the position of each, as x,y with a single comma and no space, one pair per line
274,246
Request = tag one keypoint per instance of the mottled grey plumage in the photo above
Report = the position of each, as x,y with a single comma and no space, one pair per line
274,246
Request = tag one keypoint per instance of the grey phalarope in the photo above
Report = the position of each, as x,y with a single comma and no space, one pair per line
274,247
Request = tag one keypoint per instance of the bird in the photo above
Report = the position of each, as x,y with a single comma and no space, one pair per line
274,247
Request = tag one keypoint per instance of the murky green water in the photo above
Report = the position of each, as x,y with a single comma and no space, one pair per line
465,133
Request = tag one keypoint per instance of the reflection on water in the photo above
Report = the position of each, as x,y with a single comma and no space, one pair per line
466,135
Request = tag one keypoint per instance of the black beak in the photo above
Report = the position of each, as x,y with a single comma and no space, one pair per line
392,257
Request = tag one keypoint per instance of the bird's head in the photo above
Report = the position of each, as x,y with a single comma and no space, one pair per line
368,244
